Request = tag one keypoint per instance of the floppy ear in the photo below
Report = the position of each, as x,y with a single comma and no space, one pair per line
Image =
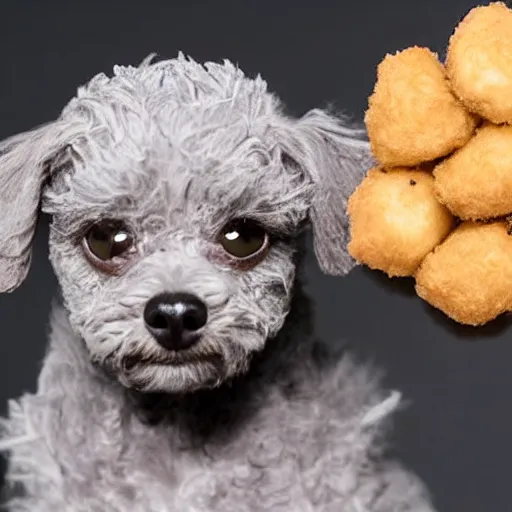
335,158
24,166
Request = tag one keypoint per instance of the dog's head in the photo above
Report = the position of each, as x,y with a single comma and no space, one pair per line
177,193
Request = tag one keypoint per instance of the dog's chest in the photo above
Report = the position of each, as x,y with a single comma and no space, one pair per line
264,466
82,456
283,459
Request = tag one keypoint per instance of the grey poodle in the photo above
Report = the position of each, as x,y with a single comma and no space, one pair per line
181,373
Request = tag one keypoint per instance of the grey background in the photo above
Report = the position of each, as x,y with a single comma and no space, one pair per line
456,432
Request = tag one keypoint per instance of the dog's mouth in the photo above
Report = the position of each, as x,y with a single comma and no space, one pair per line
132,361
156,374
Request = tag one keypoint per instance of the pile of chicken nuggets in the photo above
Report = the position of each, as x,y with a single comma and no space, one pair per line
438,204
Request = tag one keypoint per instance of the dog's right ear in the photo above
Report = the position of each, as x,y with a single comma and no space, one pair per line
25,162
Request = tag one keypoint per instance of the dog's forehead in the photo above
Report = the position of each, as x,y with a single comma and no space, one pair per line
181,96
179,132
181,112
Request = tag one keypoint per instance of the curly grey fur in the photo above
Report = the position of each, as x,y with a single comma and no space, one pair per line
250,418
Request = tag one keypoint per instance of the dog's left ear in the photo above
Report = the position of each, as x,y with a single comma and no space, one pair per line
25,161
335,158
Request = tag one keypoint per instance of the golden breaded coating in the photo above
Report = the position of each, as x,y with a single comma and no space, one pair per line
476,182
469,276
479,62
395,220
413,115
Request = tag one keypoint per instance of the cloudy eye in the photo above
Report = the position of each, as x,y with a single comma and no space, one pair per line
244,239
108,240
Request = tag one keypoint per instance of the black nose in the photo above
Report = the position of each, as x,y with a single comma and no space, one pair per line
174,319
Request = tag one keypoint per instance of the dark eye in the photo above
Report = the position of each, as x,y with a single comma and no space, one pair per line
108,239
244,238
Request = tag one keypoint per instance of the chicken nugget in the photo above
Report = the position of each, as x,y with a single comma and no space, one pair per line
476,182
479,62
469,276
413,116
395,220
